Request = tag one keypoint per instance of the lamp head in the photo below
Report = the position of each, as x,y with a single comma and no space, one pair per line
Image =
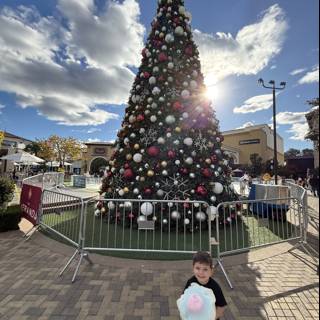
260,81
283,84
272,82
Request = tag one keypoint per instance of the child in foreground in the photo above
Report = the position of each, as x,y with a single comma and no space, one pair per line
202,275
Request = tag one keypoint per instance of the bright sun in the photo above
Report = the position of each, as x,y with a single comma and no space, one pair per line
212,93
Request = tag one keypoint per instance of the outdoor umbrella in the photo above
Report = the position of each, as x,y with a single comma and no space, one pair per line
22,158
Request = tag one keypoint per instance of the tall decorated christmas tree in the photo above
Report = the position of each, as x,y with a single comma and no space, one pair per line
169,146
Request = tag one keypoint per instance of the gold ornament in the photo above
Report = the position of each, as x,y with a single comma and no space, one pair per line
136,147
208,161
142,179
126,190
129,156
178,129
164,164
150,173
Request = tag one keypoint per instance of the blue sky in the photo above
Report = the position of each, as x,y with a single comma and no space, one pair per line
67,66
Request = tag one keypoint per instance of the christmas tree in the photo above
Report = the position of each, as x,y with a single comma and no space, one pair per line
169,146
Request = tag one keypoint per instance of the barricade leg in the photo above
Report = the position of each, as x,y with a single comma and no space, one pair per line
219,262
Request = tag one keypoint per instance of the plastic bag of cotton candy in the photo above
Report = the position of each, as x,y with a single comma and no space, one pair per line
197,303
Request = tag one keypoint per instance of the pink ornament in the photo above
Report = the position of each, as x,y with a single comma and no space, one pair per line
147,191
128,174
131,216
146,75
177,106
153,151
214,158
201,191
207,173
184,171
171,154
162,57
189,51
140,117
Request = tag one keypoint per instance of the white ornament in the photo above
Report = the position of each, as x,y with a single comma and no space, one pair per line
111,205
156,91
121,193
161,140
218,188
152,80
189,161
201,216
146,209
179,31
153,119
132,119
175,215
193,84
160,193
169,38
185,94
182,10
137,158
186,221
170,119
185,115
97,213
188,142
170,65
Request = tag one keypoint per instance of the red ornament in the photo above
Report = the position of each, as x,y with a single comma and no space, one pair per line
184,171
127,166
171,154
207,173
146,75
201,191
153,151
176,20
140,117
177,106
189,51
162,57
147,191
214,158
144,52
128,174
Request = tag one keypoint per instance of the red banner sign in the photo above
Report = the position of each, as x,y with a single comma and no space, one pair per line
30,202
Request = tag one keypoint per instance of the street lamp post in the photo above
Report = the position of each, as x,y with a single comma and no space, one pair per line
274,88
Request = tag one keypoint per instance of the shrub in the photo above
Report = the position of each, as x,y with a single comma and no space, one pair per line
10,218
6,192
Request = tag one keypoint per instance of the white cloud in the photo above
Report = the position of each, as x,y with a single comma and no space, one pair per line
65,73
297,71
249,52
310,77
94,140
246,125
291,117
297,121
273,67
93,130
255,104
298,131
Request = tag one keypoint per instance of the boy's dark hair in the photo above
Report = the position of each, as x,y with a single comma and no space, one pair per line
202,257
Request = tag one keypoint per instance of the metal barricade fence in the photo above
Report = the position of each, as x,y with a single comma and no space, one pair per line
63,215
45,180
244,225
147,226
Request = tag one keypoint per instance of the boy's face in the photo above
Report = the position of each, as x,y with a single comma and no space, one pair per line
202,272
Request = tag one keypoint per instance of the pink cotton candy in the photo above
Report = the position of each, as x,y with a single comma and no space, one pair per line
195,303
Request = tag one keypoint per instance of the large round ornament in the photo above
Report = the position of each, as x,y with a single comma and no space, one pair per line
146,209
137,158
128,174
188,142
218,188
170,119
153,151
201,216
175,215
185,94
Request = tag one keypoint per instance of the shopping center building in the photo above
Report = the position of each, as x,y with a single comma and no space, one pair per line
240,144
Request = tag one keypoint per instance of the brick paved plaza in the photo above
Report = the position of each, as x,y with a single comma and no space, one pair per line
269,284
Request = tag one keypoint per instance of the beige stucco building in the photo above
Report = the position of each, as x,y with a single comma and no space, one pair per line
11,144
96,151
241,143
